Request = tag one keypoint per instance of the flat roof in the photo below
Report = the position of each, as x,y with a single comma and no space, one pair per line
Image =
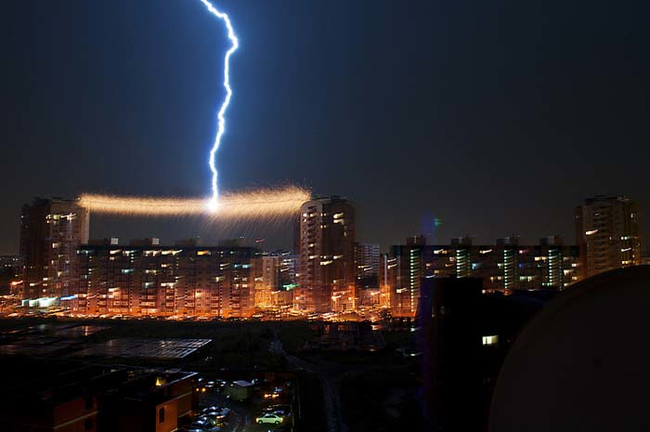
145,348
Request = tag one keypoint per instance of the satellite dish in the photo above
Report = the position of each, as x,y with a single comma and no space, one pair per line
583,363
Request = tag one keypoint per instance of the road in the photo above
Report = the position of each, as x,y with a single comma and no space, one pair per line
238,419
242,416
329,382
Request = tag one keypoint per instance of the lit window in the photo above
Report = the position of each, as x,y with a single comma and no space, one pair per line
491,340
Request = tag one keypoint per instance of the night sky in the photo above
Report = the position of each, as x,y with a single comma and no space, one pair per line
496,117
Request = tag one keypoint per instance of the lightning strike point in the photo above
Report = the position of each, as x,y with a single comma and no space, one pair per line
213,204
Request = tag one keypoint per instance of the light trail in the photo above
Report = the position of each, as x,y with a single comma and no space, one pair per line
224,106
257,204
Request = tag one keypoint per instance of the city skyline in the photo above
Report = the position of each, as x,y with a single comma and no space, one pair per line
540,147
321,216
291,237
327,272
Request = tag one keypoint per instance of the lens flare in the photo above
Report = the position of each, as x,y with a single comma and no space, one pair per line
234,44
257,204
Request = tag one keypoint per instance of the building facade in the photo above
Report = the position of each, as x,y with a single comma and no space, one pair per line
100,399
608,234
327,271
503,267
51,231
167,280
278,278
367,265
464,338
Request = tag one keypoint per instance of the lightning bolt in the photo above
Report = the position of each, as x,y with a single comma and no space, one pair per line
224,106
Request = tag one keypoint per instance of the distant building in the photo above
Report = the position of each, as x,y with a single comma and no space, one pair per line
11,269
191,242
113,241
288,278
275,280
267,282
607,231
503,267
154,241
366,258
51,231
167,280
388,272
7,261
327,274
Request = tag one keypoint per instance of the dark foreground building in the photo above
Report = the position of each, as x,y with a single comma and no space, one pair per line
582,363
73,398
465,336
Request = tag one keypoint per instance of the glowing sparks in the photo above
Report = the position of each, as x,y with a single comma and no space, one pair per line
224,106
258,204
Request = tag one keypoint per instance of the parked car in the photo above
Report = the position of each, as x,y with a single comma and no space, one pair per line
270,418
216,412
205,424
274,394
204,386
210,408
282,408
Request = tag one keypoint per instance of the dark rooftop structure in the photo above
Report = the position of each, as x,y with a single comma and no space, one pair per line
582,363
77,396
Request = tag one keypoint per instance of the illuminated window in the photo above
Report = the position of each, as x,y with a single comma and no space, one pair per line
491,340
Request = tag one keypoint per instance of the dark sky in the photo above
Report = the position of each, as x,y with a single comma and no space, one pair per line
496,117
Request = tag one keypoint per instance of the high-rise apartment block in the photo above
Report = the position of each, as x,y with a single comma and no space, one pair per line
150,279
278,278
367,265
503,267
327,272
607,231
50,233
268,282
